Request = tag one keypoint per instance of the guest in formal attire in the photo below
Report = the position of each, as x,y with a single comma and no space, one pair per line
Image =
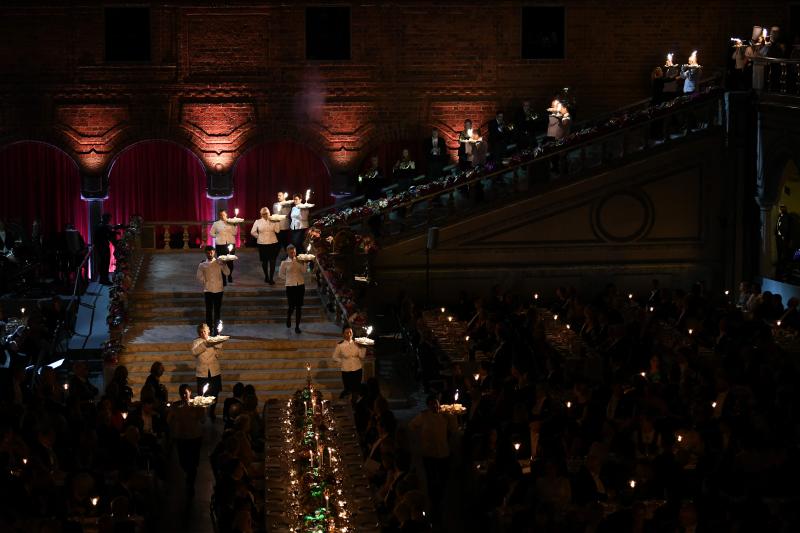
299,223
349,356
224,234
266,233
293,272
186,430
153,388
79,384
104,236
499,136
435,150
404,170
207,369
527,122
211,274
371,182
283,207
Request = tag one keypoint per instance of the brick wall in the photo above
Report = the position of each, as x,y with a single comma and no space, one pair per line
224,78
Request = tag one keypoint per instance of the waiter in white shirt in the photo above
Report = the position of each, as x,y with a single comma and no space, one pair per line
224,234
210,274
349,355
266,233
206,354
283,207
299,221
293,271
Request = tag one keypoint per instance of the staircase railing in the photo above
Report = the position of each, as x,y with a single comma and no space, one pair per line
584,151
776,76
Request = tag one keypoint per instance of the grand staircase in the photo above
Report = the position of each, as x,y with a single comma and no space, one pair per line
167,305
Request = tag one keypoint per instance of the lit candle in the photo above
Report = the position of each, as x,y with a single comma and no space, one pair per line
449,319
369,331
24,460
476,376
230,248
568,327
680,437
536,296
205,389
727,292
713,405
569,405
630,296
124,416
236,212
466,338
555,317
642,374
308,194
327,502
311,458
94,501
691,331
219,327
22,310
632,483
442,309
66,385
778,323
455,396
516,446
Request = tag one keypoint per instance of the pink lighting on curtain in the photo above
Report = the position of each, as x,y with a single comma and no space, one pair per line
161,181
277,166
39,180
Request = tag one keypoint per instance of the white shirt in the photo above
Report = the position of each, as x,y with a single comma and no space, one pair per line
283,208
207,358
348,355
223,232
265,231
293,272
209,274
299,217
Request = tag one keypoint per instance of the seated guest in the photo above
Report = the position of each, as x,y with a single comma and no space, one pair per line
233,406
79,385
404,171
153,388
435,149
499,136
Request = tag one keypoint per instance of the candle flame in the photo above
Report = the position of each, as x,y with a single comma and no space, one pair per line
66,385
691,331
568,327
124,416
308,194
669,57
727,293
219,327
442,309
449,319
713,405
555,317
455,396
369,330
205,389
632,483
630,296
569,405
24,460
230,248
22,310
536,296
680,438
95,500
517,445
466,338
476,376
308,248
642,374
236,212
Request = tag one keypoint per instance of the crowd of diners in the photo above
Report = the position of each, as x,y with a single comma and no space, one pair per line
677,413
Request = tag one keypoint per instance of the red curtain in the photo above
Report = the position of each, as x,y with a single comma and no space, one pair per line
161,181
39,180
278,166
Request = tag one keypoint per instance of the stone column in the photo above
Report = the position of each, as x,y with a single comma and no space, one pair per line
767,268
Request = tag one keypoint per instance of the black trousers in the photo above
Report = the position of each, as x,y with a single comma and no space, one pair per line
298,237
222,249
214,389
284,238
189,458
102,256
295,297
213,308
267,254
351,381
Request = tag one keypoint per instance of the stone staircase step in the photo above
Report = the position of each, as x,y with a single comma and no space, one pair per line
234,344
246,375
228,310
321,364
230,355
199,316
228,299
274,291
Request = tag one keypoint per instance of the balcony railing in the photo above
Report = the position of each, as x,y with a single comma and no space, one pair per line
584,152
776,76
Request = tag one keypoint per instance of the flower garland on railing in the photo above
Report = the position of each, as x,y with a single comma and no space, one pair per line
375,207
317,503
127,266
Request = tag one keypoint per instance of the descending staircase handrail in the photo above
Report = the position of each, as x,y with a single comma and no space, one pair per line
544,153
